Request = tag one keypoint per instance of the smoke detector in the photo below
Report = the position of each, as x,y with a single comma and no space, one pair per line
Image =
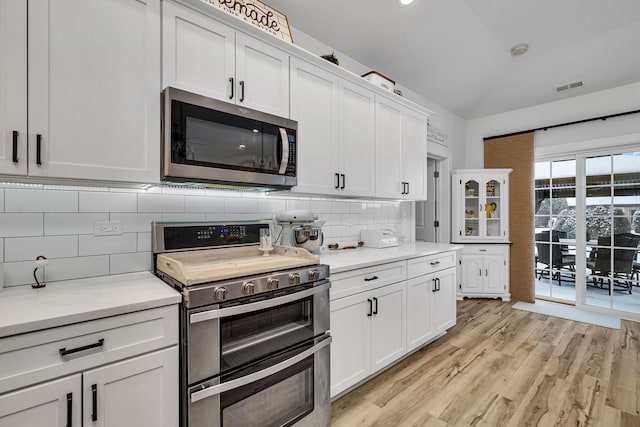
519,49
568,86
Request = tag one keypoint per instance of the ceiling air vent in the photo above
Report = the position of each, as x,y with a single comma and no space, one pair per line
565,87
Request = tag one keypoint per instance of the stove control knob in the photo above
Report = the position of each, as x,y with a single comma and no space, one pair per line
294,279
314,275
249,288
273,283
220,294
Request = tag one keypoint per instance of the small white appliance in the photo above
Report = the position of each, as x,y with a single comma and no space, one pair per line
300,228
379,238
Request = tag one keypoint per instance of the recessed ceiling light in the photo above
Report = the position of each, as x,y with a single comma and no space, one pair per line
519,49
404,2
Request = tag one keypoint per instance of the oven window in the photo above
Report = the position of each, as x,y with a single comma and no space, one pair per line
251,336
278,400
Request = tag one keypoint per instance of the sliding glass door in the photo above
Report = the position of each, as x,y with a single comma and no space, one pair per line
587,232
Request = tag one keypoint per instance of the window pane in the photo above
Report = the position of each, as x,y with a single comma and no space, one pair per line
598,170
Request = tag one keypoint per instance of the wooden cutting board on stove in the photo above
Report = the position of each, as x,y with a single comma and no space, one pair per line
209,265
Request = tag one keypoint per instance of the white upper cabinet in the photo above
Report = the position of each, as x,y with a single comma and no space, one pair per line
480,206
92,107
13,87
314,105
401,151
94,83
335,132
205,56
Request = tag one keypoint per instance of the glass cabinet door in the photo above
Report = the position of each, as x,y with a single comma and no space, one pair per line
493,208
472,208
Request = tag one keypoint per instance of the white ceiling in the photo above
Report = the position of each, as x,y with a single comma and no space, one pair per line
457,52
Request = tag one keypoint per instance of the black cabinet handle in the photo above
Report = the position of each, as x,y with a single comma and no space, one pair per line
368,279
231,80
64,352
438,284
94,402
435,263
434,285
407,188
402,192
337,180
15,146
69,408
486,271
480,272
375,310
343,181
38,149
241,90
370,307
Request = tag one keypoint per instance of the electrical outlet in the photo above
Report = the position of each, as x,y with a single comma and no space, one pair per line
107,228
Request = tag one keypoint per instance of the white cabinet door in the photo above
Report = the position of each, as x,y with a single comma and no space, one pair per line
443,301
198,53
314,104
351,346
94,104
13,87
472,273
388,339
494,274
388,137
52,404
142,391
414,154
262,74
356,140
419,295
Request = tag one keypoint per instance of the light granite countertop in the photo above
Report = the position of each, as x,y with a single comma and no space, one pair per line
24,309
341,260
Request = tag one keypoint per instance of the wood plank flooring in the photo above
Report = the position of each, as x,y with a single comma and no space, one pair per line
504,367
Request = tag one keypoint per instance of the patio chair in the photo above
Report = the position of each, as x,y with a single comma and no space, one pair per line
554,256
623,259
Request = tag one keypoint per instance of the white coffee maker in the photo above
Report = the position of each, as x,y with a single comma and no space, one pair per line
300,228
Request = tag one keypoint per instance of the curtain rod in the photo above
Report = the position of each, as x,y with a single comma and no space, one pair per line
562,124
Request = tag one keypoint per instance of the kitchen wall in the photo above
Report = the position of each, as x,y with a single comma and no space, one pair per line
612,101
58,222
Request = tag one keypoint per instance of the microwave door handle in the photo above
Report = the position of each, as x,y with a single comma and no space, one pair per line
239,382
285,151
245,308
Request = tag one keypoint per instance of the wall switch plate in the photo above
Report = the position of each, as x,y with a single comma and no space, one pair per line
107,228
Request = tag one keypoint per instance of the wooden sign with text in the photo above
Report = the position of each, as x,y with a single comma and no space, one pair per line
259,14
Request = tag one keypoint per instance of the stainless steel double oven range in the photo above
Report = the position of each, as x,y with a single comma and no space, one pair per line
254,329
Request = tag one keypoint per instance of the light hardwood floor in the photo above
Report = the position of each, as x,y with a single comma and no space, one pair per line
504,367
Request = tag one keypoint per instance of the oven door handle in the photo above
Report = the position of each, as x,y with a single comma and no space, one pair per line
242,309
285,151
247,379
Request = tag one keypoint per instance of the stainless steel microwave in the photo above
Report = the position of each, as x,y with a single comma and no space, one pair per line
210,141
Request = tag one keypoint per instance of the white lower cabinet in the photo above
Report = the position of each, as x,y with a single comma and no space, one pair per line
484,271
378,316
368,332
431,305
137,387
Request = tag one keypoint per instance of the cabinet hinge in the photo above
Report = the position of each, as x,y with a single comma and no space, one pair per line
436,224
436,174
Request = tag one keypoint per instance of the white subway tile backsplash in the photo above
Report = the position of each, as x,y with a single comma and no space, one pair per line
130,263
144,242
203,204
241,205
160,203
63,229
71,223
28,248
76,268
107,202
19,225
103,245
19,200
136,222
